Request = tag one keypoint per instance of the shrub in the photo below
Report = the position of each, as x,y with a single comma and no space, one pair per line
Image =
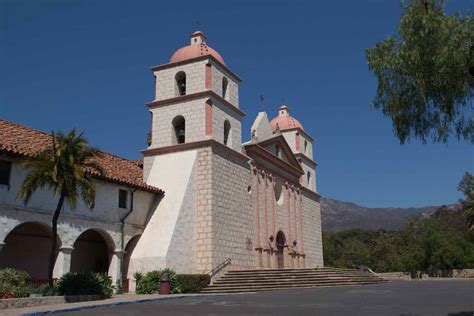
85,283
43,289
193,283
14,283
150,282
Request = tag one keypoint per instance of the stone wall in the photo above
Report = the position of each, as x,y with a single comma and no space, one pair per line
165,83
232,94
313,243
193,111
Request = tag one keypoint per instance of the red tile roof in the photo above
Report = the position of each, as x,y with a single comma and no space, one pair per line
18,140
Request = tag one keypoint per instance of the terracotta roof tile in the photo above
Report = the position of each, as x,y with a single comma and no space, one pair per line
18,140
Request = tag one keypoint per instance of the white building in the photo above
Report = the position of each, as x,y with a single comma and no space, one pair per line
255,203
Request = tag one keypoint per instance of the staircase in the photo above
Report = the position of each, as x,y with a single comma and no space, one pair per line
273,279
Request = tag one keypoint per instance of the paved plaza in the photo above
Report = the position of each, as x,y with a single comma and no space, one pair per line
443,297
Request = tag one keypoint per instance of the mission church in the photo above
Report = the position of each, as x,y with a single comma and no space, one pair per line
200,200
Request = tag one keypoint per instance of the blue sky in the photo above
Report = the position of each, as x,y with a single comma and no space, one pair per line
85,64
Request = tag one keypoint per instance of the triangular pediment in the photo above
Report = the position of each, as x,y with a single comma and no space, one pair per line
280,150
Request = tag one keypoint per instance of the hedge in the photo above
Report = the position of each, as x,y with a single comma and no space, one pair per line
193,283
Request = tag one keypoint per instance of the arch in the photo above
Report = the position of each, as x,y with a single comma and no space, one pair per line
27,247
226,131
132,243
308,177
180,83
306,147
280,243
179,130
92,251
225,84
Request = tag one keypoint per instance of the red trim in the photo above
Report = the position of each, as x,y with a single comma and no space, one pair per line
188,61
299,130
297,139
208,77
316,196
191,146
193,96
209,113
285,148
272,159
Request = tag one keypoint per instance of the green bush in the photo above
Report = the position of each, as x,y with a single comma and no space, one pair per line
193,283
85,283
43,289
150,282
14,283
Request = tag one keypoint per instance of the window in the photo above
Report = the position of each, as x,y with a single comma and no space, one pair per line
225,83
226,132
306,147
5,170
180,83
308,177
179,127
123,194
277,150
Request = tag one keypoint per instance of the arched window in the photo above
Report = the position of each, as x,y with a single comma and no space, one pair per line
180,83
308,177
306,147
179,127
226,131
225,83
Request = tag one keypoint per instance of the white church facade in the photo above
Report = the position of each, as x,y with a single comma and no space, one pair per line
199,198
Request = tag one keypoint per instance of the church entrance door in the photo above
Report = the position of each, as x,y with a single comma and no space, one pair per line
280,243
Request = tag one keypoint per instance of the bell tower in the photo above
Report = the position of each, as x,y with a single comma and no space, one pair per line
196,98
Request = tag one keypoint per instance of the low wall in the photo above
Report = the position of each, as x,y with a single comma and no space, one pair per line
45,300
456,273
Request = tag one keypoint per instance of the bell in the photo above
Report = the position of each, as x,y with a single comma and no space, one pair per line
181,133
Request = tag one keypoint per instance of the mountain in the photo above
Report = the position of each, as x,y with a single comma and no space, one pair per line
338,215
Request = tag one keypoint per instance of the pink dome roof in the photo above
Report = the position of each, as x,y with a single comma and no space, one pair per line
284,120
197,48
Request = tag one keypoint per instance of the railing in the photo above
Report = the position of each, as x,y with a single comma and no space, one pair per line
219,267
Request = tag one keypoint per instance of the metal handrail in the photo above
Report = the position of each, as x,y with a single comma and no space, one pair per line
219,267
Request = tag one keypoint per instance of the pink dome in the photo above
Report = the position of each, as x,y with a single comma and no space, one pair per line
197,48
284,120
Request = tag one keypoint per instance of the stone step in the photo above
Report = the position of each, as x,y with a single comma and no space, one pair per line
238,289
290,270
277,275
292,280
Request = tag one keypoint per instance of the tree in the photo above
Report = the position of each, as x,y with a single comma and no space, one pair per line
426,73
466,186
66,168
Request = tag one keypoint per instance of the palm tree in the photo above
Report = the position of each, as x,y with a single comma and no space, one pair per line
66,168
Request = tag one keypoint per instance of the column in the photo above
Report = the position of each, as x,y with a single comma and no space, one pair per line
274,259
301,242
115,268
288,222
258,246
63,262
266,261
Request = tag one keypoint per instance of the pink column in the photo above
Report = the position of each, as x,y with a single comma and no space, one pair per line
266,262
297,142
295,231
288,214
301,242
272,207
208,112
258,246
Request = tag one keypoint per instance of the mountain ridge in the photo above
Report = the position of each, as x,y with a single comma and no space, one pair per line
339,215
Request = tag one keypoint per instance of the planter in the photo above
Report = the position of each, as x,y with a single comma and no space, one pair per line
45,300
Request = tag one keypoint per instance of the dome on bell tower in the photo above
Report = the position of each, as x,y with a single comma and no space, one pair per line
198,47
284,120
